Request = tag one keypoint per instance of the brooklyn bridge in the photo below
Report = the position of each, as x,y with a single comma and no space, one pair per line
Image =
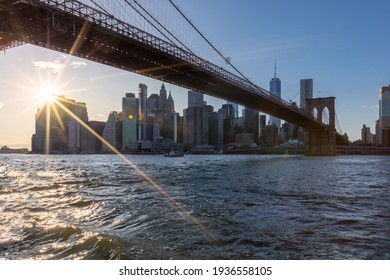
95,30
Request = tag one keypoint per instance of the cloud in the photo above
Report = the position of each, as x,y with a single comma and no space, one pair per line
267,48
366,106
1,104
56,66
78,64
120,74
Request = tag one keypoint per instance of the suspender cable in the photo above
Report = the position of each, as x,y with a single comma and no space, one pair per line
162,26
214,48
101,8
154,26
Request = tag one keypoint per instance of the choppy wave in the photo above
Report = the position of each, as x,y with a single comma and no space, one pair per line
204,207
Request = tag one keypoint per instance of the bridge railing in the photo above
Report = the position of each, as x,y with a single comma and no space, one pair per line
108,21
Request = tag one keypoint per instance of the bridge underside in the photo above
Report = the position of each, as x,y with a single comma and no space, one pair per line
67,32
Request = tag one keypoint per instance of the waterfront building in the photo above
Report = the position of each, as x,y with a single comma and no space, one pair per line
195,99
169,129
92,144
162,103
271,137
251,123
275,87
179,128
289,133
384,101
112,132
214,138
228,127
235,107
142,115
170,105
8,150
153,116
384,117
228,110
263,120
245,139
56,131
306,91
152,105
221,126
366,135
75,136
262,124
196,121
130,119
171,121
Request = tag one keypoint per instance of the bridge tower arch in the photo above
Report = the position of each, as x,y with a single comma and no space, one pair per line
321,141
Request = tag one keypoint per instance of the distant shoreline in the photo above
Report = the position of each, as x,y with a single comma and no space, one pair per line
341,150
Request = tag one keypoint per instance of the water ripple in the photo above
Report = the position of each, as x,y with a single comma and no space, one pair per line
246,207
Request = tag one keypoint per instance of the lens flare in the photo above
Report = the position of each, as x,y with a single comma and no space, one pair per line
48,95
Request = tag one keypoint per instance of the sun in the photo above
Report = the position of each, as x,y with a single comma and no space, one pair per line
48,95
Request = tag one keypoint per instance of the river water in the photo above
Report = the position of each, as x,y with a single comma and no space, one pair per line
194,207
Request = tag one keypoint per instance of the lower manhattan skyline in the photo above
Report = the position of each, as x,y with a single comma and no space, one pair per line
345,56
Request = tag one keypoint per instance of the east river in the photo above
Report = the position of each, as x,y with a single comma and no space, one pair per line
194,207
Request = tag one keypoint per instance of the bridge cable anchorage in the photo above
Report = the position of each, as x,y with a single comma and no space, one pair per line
227,61
162,26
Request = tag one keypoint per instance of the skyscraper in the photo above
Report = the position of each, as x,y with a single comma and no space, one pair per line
152,105
306,91
142,118
195,99
170,105
56,131
383,133
275,87
366,135
130,119
384,101
196,121
92,144
112,132
235,106
162,99
75,134
251,122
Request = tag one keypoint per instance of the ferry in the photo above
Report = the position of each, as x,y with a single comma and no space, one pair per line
173,153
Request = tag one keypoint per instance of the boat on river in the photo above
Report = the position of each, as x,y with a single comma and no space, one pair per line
173,153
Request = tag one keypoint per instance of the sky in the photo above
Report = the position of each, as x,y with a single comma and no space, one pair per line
342,45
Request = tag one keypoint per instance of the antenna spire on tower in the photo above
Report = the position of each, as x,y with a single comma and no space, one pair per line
275,69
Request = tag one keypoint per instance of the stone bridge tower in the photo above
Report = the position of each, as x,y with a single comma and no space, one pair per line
321,141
